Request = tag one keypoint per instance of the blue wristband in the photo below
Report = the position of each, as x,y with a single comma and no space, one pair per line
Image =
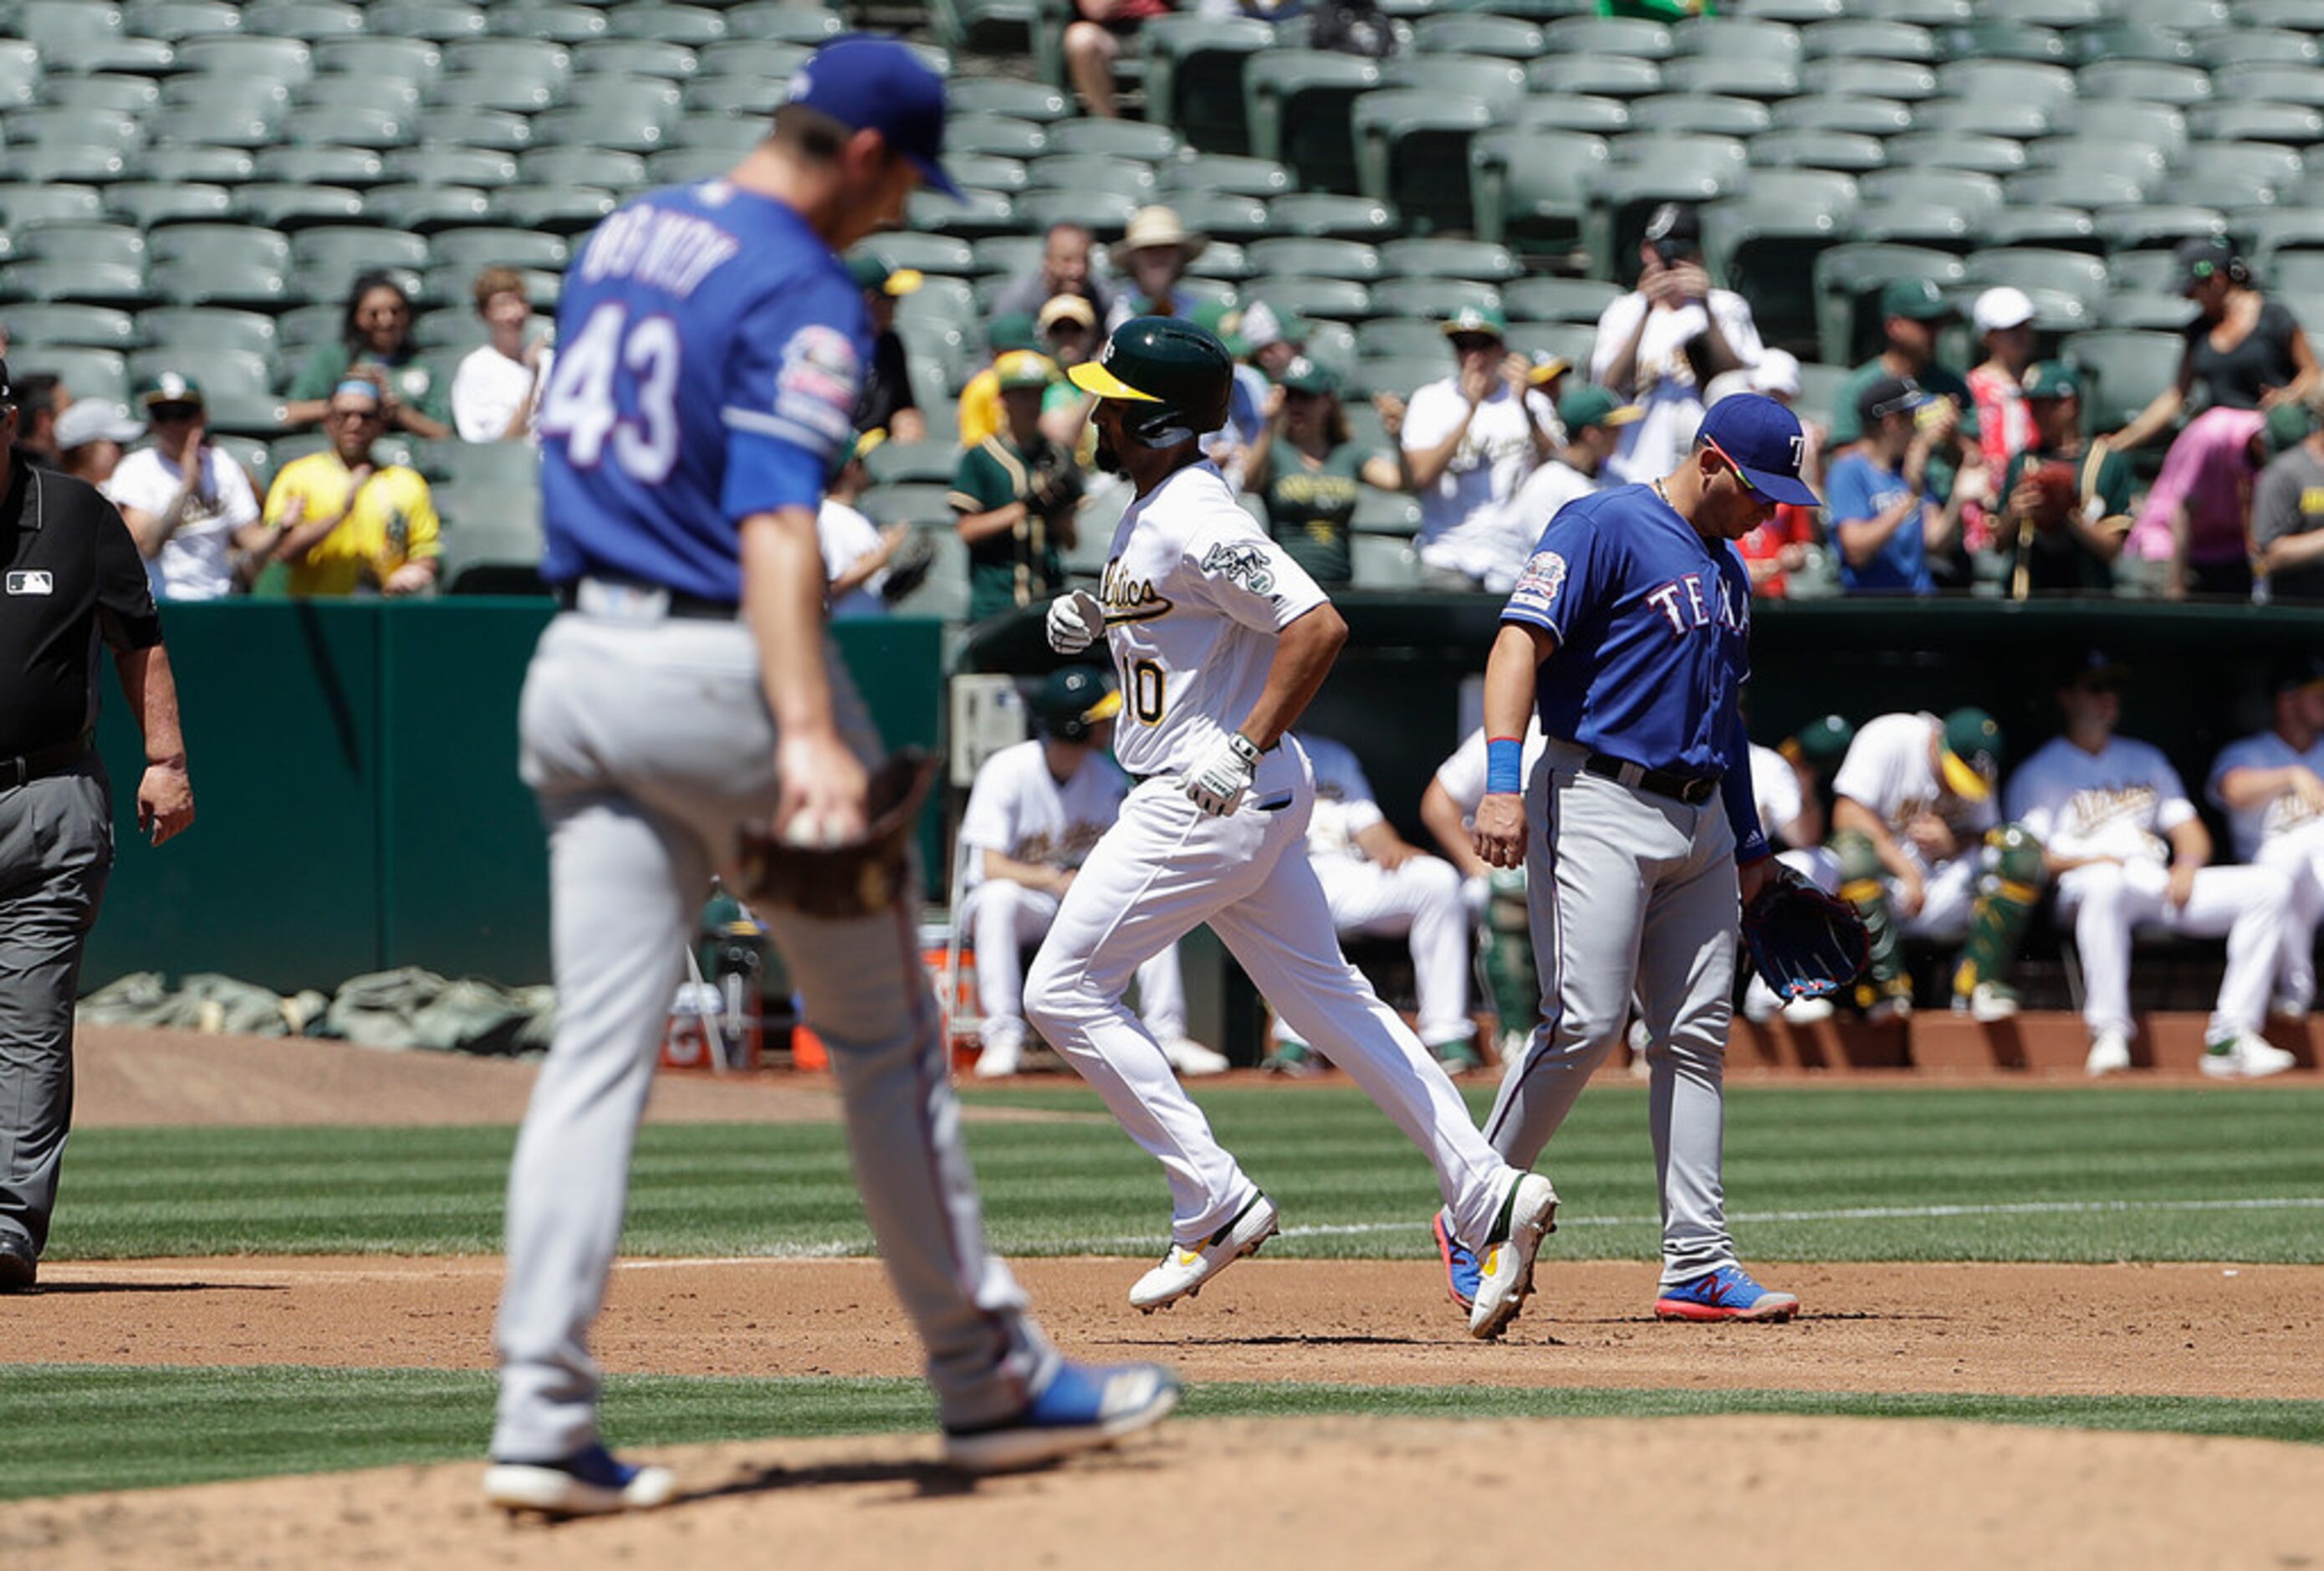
1504,766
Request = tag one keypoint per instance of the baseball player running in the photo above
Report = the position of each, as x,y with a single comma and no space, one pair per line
1220,640
1033,814
1629,631
712,348
2127,851
2271,786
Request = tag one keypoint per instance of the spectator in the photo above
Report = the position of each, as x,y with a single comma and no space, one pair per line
2065,500
1494,897
189,507
1912,312
1662,344
887,403
1092,43
2287,523
41,400
1017,494
1068,331
866,568
2123,842
374,343
1246,401
346,524
1594,420
1885,520
496,391
2004,319
1788,783
1309,474
1034,813
1151,256
1379,885
2193,535
2271,786
1469,443
2243,350
1063,268
1276,338
90,436
1922,854
1013,333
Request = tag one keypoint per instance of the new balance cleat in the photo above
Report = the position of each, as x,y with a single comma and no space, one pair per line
1728,1293
1461,1268
1082,1407
1185,1270
591,1483
1505,1270
2245,1057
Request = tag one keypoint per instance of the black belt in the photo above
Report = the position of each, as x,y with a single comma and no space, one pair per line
42,761
693,607
1694,790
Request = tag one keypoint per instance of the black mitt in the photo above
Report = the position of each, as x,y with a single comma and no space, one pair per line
859,879
1054,490
1807,944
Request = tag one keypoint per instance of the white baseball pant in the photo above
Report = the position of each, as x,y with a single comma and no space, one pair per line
2299,856
1166,867
1948,899
2105,900
1419,900
1005,916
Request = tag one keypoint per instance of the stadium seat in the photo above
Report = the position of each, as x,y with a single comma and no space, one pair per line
1000,96
73,128
1604,75
210,128
1983,118
49,22
1848,278
2074,273
2145,311
1919,12
349,127
397,95
1868,39
692,26
74,326
999,135
1710,74
437,21
2046,13
1104,212
492,541
1196,69
97,242
1751,44
1342,299
524,58
925,463
2151,82
1575,112
1412,149
2240,46
2144,225
1470,32
310,20
2286,230
2073,187
237,384
2292,125
1379,561
224,246
1296,103
1908,81
173,21
1614,35
2042,223
788,22
1223,216
2191,16
1326,214
2134,41
1384,512
1445,258
497,247
2091,158
129,56
2231,163
2007,81
151,203
1557,299
753,97
1228,173
288,205
134,96
560,23
2006,40
506,465
985,26
581,166
2162,126
1318,258
1385,337
19,73
426,209
450,166
102,374
1715,113
2144,272
2124,370
1827,149
1798,13
977,214
23,205
415,59
1398,374
326,261
984,172
1882,118
488,128
332,166
510,94
1764,244
95,283
725,133
1090,171
192,331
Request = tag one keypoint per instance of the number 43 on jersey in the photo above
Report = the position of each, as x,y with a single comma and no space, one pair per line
583,407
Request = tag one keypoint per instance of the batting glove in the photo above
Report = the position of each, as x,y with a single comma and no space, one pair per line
1074,621
1217,786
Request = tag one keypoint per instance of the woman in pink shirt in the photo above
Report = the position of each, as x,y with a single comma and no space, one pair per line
2193,536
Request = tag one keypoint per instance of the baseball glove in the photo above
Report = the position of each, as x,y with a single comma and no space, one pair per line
859,879
1807,944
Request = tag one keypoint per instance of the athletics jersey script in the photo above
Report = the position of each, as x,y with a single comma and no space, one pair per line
2280,814
1018,808
1653,626
1194,596
711,348
2118,801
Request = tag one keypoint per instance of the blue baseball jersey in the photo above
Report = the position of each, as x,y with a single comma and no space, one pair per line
710,352
1653,626
1857,489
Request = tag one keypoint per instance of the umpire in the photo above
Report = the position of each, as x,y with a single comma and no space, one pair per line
74,583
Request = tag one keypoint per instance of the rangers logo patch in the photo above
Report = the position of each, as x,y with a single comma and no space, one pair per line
1244,565
1537,585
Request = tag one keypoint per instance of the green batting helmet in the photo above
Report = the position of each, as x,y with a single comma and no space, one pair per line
1173,377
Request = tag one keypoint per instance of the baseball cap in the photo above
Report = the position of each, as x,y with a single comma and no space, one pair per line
1024,368
1675,227
2288,425
1587,405
1763,439
877,83
1548,368
873,270
1888,395
1077,693
2095,667
1012,330
2200,258
1476,318
1916,300
173,387
1263,324
2051,379
1304,375
2001,307
1972,754
2289,673
1065,307
91,419
1223,322
1777,374
1824,738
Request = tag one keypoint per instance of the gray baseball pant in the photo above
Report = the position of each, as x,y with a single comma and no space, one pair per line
649,743
1630,893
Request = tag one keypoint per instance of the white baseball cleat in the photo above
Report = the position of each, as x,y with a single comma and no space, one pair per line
1184,1271
999,1058
1986,1003
588,1483
2110,1054
1808,1010
2245,1057
1189,1058
1505,1266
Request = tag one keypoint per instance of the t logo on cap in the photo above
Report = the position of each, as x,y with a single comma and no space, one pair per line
1764,441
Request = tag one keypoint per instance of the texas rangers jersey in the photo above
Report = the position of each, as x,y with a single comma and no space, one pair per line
1889,770
1652,625
1463,774
1194,594
1344,806
1777,785
1017,808
2118,801
710,350
2253,827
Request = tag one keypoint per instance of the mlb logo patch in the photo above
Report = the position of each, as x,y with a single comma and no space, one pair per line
32,583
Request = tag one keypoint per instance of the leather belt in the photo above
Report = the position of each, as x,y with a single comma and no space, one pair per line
42,762
693,607
1694,790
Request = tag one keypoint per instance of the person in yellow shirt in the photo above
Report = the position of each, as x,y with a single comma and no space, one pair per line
346,525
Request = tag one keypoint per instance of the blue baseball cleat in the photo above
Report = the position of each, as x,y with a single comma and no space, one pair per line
1461,1271
1085,1407
590,1482
1729,1293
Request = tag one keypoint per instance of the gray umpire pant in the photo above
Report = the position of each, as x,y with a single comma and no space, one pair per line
649,746
1632,895
56,849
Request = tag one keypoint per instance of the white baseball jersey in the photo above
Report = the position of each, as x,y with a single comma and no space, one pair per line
2253,827
195,563
1345,807
1194,594
1017,808
1664,378
846,538
1545,492
1461,516
1890,770
1775,785
1462,775
2118,801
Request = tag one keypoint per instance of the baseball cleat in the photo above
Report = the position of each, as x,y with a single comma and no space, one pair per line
1728,1293
2245,1057
1458,1056
1185,1270
1461,1268
1988,1003
2110,1054
1504,1270
1189,1058
588,1483
1082,1408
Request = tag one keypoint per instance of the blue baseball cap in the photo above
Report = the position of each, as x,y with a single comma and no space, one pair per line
1764,439
869,83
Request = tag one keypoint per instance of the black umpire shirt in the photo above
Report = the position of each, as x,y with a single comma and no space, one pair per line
74,581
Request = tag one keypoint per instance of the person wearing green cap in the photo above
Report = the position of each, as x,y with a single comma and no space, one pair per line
2288,511
1017,495
980,400
2065,500
1309,474
1594,421
888,403
187,505
1469,441
1912,312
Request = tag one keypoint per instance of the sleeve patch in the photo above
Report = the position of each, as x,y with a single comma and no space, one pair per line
1538,586
819,383
1248,565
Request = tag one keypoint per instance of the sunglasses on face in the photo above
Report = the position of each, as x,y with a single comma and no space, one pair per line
1473,343
353,414
171,413
1741,479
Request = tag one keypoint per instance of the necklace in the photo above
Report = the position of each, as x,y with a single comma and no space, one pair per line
1657,485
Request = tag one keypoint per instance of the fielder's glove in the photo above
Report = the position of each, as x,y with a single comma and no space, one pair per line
1052,491
1075,620
1217,786
862,878
1807,944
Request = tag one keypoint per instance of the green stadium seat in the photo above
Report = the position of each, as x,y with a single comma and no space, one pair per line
23,205
474,249
1131,140
1378,561
1750,44
2258,46
785,22
1604,75
638,57
925,463
2162,126
224,245
692,26
19,73
349,127
97,242
2074,188
132,56
1000,96
492,541
977,214
1195,73
1714,114
2151,82
1473,33
1412,149
2190,16
2284,230
195,331
396,96
1384,514
1993,155
1907,81
2229,163
288,205
1351,259
237,384
134,96
73,327
2298,273
1833,150
1316,213
1399,374
1616,35
95,283
1764,244
2124,371
1919,13
1584,112
2042,223
1848,278
566,210
1497,83
1798,13
1533,186
987,173
1557,299
761,59
1000,136
1223,216
1006,257
1226,174
1104,212
148,203
2146,312
1983,118
1869,39
626,98
1576,341
508,94
257,96
2292,124
1445,258
326,261
2134,41
73,128
102,374
544,18
2144,272
502,465
986,26
208,128
1328,299
302,19
49,22
450,166
2084,157
1432,297
2047,12
1333,343
426,209
580,166
1092,172
486,128
685,165
1881,117
437,21
754,96
1385,338
530,58
730,136
1296,103
914,505
323,165
303,327
2073,273
2008,81
2144,225
2006,40
415,59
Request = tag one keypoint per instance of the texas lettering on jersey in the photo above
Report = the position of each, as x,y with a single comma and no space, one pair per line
1685,606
